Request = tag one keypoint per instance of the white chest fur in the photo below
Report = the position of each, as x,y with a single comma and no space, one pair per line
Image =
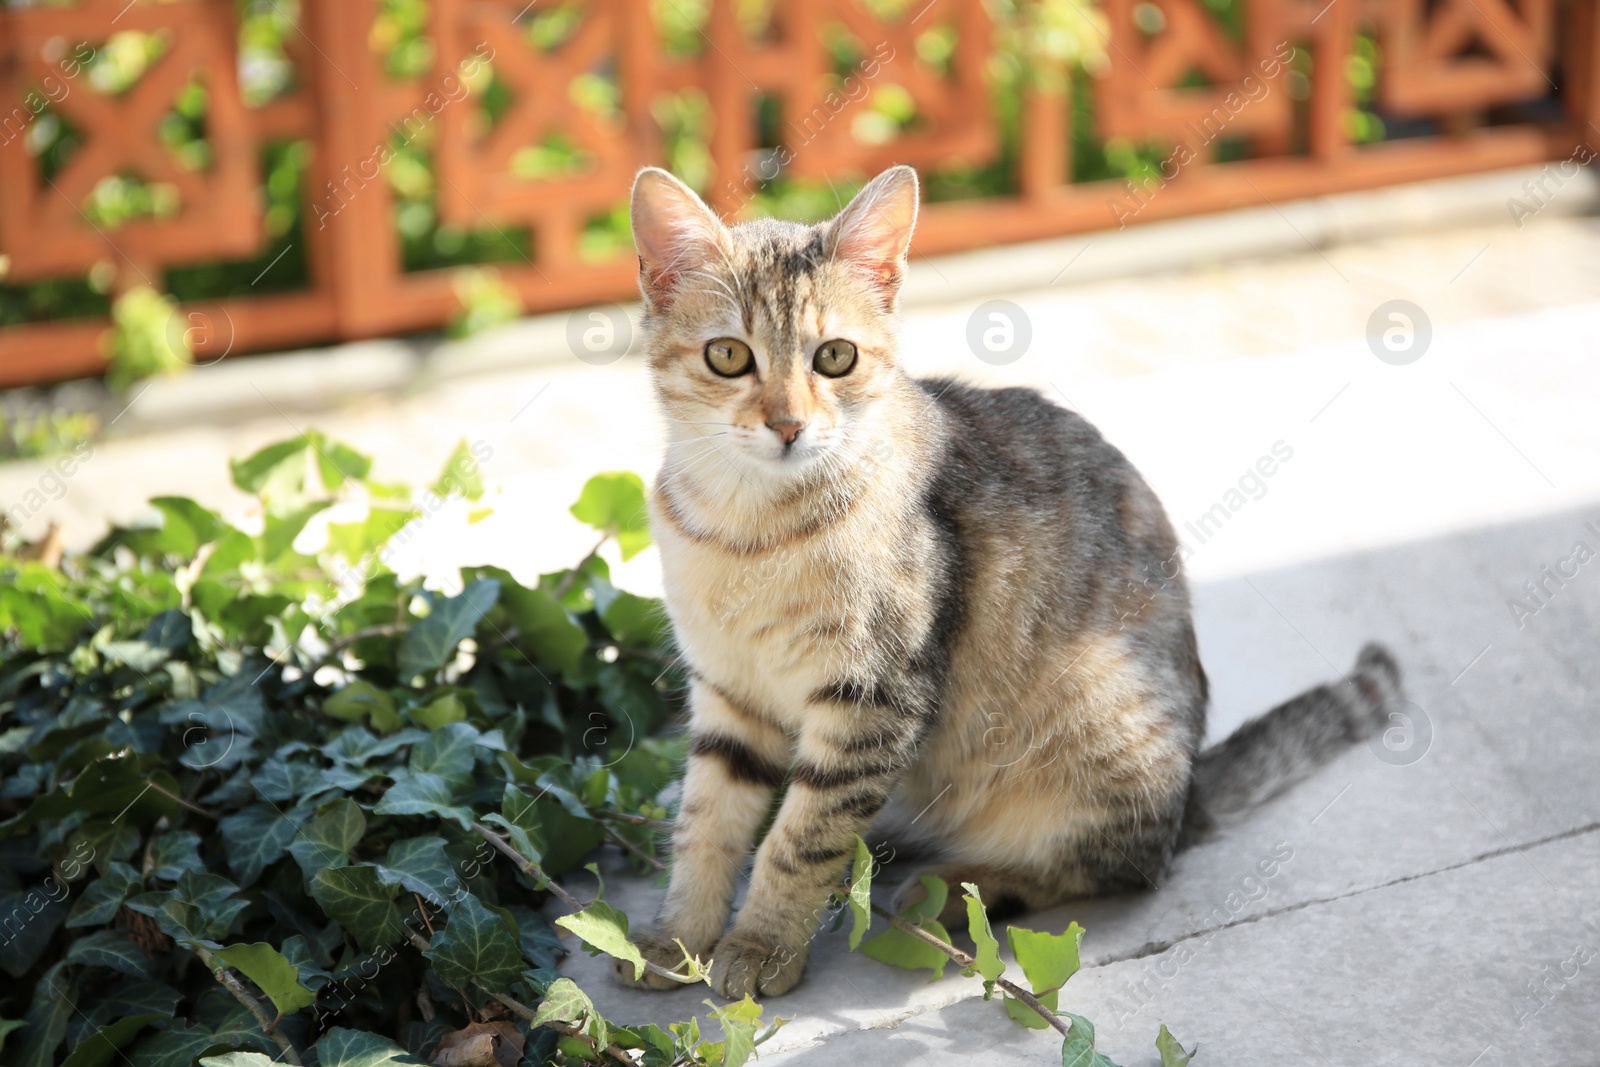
776,625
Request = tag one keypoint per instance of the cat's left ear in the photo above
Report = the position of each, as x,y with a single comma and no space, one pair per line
873,233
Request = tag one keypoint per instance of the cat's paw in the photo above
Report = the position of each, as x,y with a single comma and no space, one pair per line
657,948
742,965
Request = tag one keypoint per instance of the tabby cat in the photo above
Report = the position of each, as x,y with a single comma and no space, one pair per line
953,614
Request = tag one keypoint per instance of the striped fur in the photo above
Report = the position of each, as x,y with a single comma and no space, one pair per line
952,614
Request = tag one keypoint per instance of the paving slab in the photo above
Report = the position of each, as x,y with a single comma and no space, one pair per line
1478,966
1455,800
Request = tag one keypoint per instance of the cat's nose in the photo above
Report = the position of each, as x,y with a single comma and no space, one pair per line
788,429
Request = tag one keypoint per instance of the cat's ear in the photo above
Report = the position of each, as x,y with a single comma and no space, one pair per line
674,232
873,233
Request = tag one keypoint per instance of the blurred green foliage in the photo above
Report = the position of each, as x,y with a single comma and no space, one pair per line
146,339
486,300
44,432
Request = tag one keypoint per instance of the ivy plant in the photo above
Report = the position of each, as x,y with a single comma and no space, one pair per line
264,800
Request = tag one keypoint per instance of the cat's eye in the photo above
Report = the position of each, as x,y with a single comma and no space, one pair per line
729,357
835,358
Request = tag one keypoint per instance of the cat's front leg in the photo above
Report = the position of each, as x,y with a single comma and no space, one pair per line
846,766
736,762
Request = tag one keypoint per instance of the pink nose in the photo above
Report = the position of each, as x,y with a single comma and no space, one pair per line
788,429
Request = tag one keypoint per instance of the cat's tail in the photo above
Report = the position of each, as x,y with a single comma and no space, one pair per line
1273,751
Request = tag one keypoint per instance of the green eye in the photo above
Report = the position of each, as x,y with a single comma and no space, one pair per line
835,358
729,357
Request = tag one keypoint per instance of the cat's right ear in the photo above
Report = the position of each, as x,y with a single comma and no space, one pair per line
674,232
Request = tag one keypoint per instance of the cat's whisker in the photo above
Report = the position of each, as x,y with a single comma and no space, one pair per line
698,422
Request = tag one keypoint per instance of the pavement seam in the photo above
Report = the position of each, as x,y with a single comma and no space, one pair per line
1155,948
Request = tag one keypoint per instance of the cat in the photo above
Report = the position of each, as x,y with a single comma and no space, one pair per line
956,615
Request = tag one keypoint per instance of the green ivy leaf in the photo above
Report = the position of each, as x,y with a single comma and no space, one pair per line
97,1049
358,541
441,711
279,531
110,948
234,548
210,902
461,475
256,838
251,473
860,895
636,621
53,1005
449,752
931,905
899,949
1026,1015
173,853
8,1025
567,837
423,794
179,1043
565,1002
1077,1049
26,943
103,896
233,1025
603,927
475,945
432,640
614,504
337,462
42,616
356,1048
277,473
130,998
987,962
543,626
356,745
361,701
1173,1053
1048,960
112,785
739,1022
300,951
266,967
327,840
360,902
419,865
519,817
279,780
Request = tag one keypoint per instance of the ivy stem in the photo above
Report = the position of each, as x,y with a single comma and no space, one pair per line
644,856
527,866
170,795
389,629
1063,1026
577,1032
631,819
572,575
269,1024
